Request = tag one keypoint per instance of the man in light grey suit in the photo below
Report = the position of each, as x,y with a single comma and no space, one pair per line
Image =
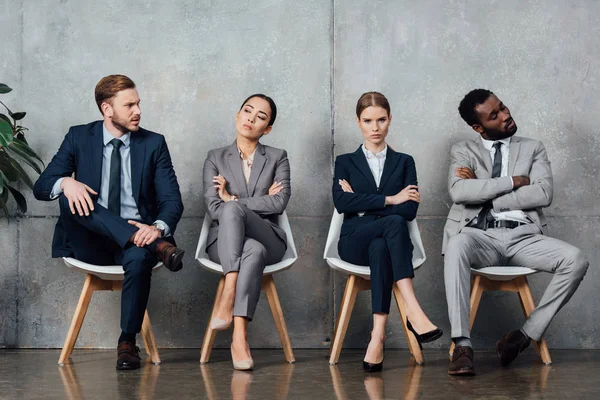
246,186
499,184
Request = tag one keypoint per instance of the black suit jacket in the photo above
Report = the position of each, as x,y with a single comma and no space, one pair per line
398,172
155,187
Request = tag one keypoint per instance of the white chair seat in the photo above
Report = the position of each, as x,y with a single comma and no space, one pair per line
333,258
502,273
104,272
288,260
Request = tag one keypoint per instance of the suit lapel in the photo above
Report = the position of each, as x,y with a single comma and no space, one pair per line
235,165
137,153
485,157
513,154
95,156
359,159
257,166
391,160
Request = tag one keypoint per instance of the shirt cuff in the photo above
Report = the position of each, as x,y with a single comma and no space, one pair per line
167,229
56,190
513,183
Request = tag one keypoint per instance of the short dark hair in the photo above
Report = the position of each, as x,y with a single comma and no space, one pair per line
109,86
372,99
469,102
268,100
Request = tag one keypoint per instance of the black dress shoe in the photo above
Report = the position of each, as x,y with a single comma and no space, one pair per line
511,345
128,356
368,367
461,363
426,337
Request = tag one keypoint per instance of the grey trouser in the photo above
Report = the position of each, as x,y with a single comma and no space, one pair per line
523,246
246,244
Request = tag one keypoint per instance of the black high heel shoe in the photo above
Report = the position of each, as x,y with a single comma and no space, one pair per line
369,367
426,337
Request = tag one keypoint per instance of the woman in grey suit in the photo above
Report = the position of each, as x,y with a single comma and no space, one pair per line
246,186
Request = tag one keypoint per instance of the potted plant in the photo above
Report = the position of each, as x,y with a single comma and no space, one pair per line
14,153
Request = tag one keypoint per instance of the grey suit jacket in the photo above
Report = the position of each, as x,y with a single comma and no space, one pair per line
527,157
270,164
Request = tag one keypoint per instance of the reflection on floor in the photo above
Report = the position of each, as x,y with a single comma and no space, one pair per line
34,374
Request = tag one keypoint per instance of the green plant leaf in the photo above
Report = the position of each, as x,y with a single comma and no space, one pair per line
22,146
25,159
21,137
3,200
19,198
5,118
4,88
6,135
18,115
24,177
10,172
1,184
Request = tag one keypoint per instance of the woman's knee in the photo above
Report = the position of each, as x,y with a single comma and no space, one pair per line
232,209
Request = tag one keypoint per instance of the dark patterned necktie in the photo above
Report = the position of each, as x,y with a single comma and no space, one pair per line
485,216
114,186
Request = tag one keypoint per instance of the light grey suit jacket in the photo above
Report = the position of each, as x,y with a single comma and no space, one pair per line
527,157
270,164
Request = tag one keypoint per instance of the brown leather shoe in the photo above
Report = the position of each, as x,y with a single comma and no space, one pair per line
128,356
462,362
169,255
511,345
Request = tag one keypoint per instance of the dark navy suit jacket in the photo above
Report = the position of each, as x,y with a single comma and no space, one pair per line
398,172
155,187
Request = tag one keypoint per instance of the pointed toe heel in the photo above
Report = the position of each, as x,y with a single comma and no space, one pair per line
426,337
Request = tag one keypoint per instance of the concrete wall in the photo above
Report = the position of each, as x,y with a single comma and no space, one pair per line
195,61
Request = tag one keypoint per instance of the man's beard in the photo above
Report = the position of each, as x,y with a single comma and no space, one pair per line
121,124
495,134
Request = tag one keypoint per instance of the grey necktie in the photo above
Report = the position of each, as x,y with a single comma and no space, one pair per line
485,216
114,186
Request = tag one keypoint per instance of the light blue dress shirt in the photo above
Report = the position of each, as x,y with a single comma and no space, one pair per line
129,208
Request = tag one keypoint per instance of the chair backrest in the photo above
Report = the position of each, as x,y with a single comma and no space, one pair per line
331,246
291,255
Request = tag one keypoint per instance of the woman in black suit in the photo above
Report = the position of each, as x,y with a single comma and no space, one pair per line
376,188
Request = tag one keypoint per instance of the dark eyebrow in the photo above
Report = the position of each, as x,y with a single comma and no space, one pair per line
248,105
263,112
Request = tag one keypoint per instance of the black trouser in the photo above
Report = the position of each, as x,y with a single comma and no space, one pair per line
102,238
384,245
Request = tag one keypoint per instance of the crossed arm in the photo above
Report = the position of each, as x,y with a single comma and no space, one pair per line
506,193
403,203
216,194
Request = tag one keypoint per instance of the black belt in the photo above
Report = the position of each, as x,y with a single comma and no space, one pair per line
504,224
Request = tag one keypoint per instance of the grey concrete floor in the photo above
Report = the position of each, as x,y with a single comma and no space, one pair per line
34,374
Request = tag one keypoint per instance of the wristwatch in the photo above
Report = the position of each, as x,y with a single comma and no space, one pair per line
234,198
160,227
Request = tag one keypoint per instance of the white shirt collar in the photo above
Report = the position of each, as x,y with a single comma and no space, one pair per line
489,144
107,137
250,157
369,154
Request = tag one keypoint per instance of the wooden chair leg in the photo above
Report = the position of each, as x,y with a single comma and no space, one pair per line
528,304
70,383
350,293
268,285
149,341
337,321
413,344
209,384
78,317
210,334
476,293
